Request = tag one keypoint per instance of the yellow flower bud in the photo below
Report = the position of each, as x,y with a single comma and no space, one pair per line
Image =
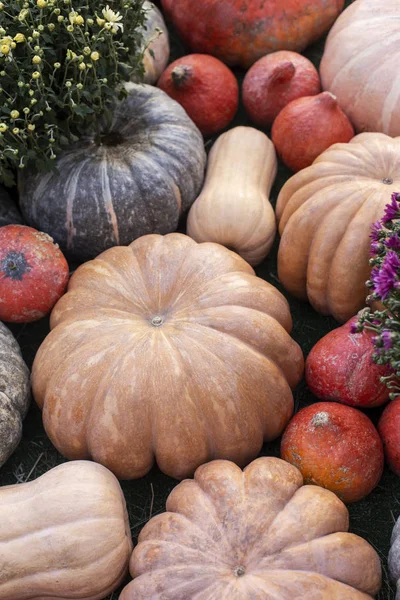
60,19
51,27
19,38
31,127
70,28
57,65
95,56
36,60
14,114
35,75
1,6
90,22
41,3
86,50
3,127
82,66
13,45
35,34
5,49
107,26
79,20
15,131
100,22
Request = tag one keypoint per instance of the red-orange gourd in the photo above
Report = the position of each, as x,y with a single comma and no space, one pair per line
239,32
205,87
337,447
274,81
166,350
259,534
308,126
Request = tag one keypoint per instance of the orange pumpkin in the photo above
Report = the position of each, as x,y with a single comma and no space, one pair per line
325,213
169,349
239,32
253,535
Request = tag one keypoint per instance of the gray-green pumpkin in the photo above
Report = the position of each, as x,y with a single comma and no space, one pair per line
110,189
14,393
9,213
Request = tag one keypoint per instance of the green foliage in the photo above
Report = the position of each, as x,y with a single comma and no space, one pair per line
60,66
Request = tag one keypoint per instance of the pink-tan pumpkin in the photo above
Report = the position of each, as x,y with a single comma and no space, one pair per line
259,534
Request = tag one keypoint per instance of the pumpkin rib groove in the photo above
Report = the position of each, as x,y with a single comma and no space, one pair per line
250,346
315,248
330,281
107,199
354,593
259,355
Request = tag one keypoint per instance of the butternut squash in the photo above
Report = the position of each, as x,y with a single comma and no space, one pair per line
233,208
64,536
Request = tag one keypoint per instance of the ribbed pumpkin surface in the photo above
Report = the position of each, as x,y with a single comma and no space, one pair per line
325,214
360,65
166,349
252,535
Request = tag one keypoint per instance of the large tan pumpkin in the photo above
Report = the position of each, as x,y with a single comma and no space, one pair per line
325,213
360,65
166,349
64,536
253,535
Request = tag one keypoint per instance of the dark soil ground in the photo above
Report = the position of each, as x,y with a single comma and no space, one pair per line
372,518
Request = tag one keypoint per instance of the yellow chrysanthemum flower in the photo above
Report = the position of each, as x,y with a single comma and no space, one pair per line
112,17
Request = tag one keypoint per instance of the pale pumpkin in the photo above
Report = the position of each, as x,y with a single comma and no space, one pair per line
14,393
233,208
137,178
360,65
64,536
394,557
252,535
167,350
325,213
156,41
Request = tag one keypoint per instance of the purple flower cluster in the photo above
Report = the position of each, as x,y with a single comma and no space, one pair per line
386,276
392,210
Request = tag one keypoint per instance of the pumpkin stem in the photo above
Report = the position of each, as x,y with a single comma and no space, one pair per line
180,75
329,100
239,571
283,73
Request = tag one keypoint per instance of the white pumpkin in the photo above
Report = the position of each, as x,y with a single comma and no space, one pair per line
360,65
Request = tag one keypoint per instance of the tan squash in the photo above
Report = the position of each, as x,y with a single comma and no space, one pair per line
325,213
233,208
169,350
252,535
156,40
64,536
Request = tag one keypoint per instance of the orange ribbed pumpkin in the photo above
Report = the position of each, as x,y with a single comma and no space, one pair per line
325,213
166,349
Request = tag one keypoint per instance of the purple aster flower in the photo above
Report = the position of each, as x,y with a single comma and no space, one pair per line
393,242
354,327
375,229
375,248
391,210
384,277
386,339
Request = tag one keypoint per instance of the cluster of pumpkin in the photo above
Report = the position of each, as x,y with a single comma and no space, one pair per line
170,349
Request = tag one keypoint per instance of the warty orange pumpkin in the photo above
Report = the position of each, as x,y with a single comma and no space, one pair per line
168,350
252,535
325,213
64,536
